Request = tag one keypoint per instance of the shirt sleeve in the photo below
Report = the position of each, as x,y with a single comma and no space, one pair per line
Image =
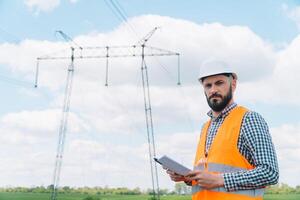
255,144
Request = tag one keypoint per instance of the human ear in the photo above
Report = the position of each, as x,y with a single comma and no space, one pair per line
233,84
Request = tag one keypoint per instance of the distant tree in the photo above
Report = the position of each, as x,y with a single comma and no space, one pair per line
50,187
39,189
137,191
297,189
181,188
163,191
281,188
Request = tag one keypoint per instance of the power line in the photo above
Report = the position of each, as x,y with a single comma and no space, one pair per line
120,13
12,38
15,82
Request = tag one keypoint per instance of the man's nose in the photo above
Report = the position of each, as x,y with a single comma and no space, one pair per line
213,89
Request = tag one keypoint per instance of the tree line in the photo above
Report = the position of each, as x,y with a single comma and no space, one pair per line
179,189
79,190
283,188
82,190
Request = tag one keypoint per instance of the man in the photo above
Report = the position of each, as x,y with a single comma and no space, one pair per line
235,157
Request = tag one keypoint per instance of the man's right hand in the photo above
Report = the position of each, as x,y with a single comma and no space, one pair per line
175,177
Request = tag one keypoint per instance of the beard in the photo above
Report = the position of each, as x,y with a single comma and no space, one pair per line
219,106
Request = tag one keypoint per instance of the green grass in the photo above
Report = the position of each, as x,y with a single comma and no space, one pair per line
46,196
282,197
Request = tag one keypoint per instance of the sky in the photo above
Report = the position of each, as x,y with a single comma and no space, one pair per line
106,141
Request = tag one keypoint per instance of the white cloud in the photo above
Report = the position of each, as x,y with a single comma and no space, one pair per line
127,162
94,161
285,138
29,127
121,107
238,45
21,59
282,86
42,5
38,6
292,13
253,58
73,1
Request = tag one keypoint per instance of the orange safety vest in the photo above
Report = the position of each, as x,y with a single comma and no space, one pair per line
224,157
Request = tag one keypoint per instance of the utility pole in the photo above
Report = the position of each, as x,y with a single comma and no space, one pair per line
139,50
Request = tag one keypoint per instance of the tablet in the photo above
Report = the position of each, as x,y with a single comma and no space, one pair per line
172,165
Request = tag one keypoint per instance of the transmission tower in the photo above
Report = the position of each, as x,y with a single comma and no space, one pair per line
78,52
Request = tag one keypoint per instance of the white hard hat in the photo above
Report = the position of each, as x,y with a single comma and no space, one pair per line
214,67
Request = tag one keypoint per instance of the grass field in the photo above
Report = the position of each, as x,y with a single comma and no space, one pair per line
45,196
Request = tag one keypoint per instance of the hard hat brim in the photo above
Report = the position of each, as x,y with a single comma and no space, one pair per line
225,74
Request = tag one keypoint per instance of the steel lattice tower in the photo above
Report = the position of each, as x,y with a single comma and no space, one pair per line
139,50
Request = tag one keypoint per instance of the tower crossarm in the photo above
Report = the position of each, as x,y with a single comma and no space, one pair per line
114,51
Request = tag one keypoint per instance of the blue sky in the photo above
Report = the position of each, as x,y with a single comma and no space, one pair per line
260,38
266,18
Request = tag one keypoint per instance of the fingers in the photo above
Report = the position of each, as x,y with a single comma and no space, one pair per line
207,180
170,172
194,173
175,177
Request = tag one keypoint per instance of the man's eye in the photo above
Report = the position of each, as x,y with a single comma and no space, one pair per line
208,86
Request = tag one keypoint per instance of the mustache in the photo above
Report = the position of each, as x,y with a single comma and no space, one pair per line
215,95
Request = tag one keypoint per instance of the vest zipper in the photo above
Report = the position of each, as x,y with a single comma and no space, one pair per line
205,161
206,151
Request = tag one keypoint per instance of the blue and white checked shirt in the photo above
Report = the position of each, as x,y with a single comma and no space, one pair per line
256,145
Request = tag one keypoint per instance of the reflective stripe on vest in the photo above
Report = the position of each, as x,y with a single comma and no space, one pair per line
253,193
214,167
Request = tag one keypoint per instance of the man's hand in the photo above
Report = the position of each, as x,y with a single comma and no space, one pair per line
205,179
175,177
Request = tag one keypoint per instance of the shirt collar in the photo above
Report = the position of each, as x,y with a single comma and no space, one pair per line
224,112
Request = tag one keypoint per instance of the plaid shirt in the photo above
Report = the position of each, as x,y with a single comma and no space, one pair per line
256,145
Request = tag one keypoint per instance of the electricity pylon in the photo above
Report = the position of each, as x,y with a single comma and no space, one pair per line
138,50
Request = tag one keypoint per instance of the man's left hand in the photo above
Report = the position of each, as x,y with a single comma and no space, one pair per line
205,179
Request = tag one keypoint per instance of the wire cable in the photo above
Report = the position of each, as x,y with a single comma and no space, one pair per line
13,38
120,13
15,82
